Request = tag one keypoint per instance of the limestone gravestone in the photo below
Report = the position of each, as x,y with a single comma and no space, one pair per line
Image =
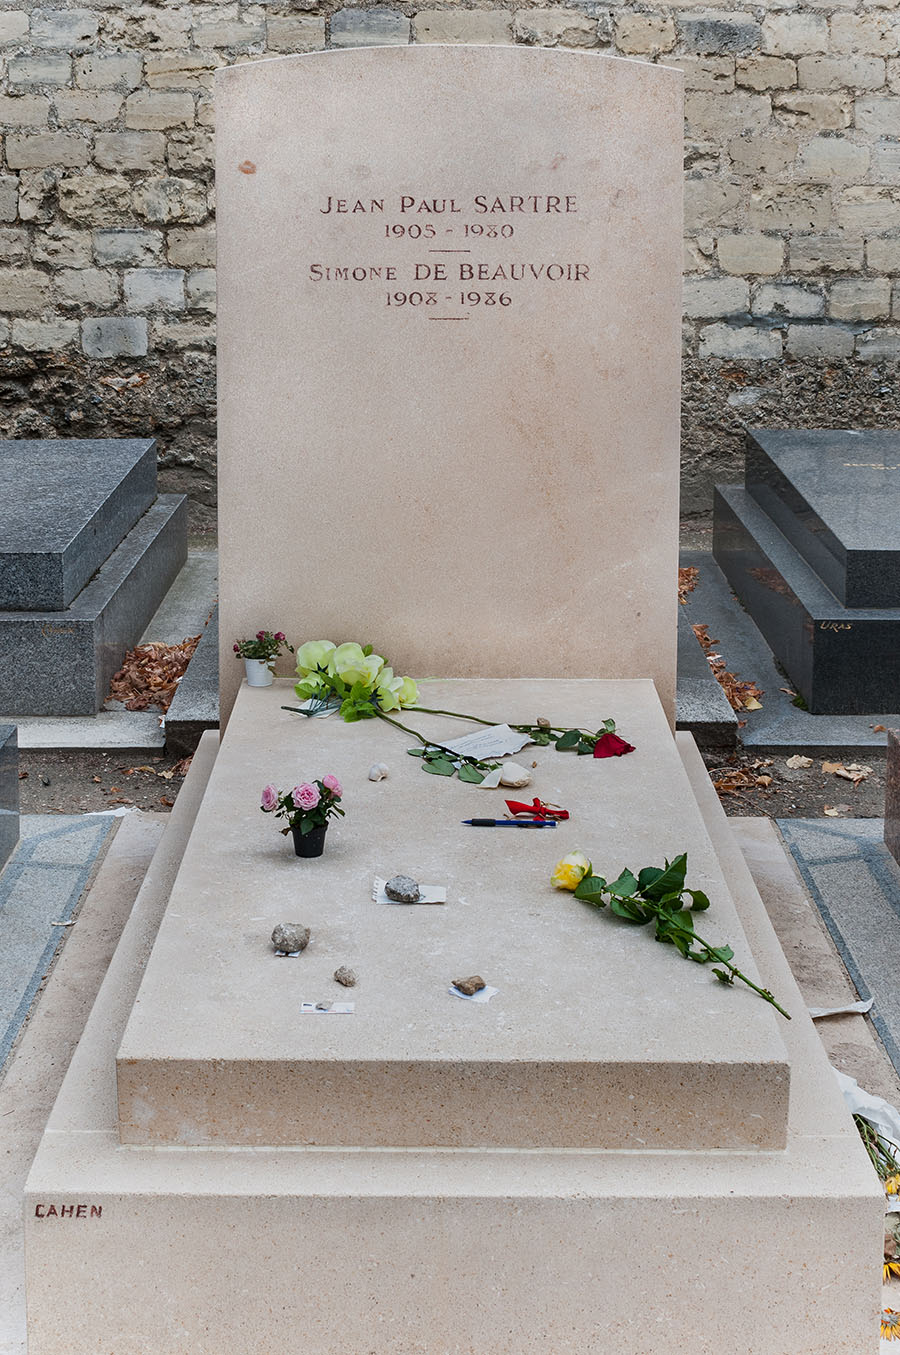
468,454
456,292
9,792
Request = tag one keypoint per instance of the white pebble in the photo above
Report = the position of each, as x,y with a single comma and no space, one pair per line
378,771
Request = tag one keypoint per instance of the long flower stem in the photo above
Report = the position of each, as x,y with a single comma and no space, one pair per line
427,743
712,954
520,729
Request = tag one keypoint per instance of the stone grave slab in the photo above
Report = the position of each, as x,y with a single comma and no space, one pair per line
475,314
403,1240
60,663
835,494
65,505
216,1050
843,660
9,792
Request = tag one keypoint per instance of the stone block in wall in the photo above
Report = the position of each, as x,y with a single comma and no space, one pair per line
766,153
295,33
192,248
794,34
878,115
127,246
886,161
814,112
200,289
109,70
895,301
86,287
130,150
638,34
712,74
750,253
23,290
819,341
883,254
154,110
9,197
878,345
719,116
796,207
173,336
860,299
87,105
187,70
710,202
95,199
374,27
840,72
13,26
44,68
41,150
154,289
24,110
45,336
719,32
766,72
868,210
71,29
832,157
170,199
489,26
61,247
114,336
825,253
784,299
712,298
191,152
38,189
739,341
235,33
13,244
877,32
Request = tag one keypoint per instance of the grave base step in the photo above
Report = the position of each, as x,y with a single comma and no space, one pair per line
61,662
843,660
9,792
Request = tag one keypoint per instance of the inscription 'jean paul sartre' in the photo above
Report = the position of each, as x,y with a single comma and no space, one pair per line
481,204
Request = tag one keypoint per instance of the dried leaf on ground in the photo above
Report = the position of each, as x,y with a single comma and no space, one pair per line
687,582
831,766
879,729
732,781
741,695
164,800
798,762
854,771
835,811
764,781
151,673
23,776
182,767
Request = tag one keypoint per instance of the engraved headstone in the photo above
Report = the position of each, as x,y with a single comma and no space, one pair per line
449,358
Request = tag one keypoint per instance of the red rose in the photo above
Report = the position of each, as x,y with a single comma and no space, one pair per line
610,745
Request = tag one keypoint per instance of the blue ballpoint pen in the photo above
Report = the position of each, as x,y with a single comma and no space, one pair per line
510,823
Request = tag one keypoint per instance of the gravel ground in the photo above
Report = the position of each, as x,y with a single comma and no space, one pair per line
75,782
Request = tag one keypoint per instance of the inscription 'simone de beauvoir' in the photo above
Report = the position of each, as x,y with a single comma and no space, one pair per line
482,218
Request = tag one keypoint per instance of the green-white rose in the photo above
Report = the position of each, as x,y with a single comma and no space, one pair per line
314,654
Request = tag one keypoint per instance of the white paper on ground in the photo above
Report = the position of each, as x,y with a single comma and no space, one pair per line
884,1117
316,708
332,1009
817,1012
483,995
427,894
495,741
110,813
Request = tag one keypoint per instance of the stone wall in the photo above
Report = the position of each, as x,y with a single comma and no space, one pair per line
792,186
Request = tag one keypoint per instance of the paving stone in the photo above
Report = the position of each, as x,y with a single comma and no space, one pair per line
65,505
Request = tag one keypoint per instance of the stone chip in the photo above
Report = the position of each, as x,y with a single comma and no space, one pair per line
290,937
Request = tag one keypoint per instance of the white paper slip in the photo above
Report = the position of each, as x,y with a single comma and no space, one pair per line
317,707
327,1008
483,995
495,741
427,894
817,1012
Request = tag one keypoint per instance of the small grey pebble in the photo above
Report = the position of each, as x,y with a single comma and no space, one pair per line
346,977
323,1006
470,986
402,889
290,937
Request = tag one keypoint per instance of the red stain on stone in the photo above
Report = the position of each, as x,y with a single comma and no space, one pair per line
247,167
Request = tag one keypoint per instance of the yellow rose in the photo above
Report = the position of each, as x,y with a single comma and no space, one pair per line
570,871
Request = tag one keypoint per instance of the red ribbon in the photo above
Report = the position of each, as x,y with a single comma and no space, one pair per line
537,810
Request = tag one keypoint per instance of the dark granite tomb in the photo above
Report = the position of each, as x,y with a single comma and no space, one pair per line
9,792
817,523
892,796
80,515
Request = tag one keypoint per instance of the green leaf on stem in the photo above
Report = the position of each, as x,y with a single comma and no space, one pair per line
471,774
591,890
438,766
570,739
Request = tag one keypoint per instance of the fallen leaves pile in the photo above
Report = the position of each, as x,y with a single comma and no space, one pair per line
151,673
687,582
741,695
755,776
735,779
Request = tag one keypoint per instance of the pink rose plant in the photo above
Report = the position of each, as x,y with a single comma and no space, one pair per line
332,783
268,799
305,796
306,806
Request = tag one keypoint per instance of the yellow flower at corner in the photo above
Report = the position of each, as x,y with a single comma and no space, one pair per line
570,871
408,694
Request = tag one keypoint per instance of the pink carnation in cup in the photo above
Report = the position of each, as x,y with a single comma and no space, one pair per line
260,635
269,799
330,782
305,796
280,636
